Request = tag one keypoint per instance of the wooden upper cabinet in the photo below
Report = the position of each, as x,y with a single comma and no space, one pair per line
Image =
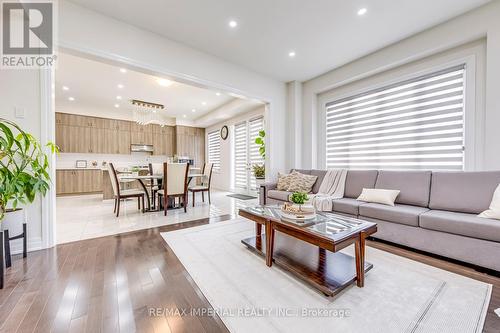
73,139
124,142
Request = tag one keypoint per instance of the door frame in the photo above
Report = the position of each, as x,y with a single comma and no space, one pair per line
249,190
47,101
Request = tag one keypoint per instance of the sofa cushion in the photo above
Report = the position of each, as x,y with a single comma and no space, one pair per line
356,180
465,192
278,195
414,186
301,182
320,174
464,224
402,214
347,206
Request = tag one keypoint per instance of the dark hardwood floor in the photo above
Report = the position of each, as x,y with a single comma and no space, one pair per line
109,284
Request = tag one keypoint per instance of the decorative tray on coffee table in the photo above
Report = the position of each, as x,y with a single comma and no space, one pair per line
296,214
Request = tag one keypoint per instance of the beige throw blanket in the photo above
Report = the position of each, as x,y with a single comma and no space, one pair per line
332,187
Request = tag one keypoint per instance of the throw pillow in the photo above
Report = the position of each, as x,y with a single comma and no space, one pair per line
376,195
301,183
283,181
494,211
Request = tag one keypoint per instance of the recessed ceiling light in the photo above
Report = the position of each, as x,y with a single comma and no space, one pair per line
184,116
117,105
362,11
65,88
203,103
233,24
71,99
123,70
193,110
291,54
164,82
120,86
217,93
118,97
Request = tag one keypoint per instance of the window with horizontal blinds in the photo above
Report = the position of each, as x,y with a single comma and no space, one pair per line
254,127
240,156
413,124
214,150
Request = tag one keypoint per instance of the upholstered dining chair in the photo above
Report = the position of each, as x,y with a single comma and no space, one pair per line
120,194
154,184
205,183
174,185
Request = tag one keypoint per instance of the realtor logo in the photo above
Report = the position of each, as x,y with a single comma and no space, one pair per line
28,34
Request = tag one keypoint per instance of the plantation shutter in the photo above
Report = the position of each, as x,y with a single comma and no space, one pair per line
240,155
413,124
254,127
214,150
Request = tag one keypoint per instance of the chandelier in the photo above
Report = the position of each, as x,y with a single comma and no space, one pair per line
146,113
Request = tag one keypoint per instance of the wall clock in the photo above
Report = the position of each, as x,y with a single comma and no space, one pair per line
224,132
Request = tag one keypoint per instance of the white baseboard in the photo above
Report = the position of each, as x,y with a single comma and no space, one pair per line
34,244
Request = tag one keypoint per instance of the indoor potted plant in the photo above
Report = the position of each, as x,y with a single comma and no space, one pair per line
259,170
23,171
299,198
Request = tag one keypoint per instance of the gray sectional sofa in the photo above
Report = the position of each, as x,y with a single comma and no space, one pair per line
435,211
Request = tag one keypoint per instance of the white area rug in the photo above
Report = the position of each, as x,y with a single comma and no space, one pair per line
400,295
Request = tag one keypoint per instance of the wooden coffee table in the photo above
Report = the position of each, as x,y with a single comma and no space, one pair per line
310,250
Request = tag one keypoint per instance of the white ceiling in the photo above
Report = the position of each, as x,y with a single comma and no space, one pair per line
94,87
325,34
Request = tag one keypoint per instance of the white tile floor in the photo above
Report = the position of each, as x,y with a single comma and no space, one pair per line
88,216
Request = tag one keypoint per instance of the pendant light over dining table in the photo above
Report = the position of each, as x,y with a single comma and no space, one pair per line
146,113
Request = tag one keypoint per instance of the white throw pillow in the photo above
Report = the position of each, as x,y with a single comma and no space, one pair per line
494,211
376,195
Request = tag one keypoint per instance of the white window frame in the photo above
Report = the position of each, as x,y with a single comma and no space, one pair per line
217,132
473,157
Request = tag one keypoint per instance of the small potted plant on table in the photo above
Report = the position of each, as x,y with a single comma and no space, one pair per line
259,170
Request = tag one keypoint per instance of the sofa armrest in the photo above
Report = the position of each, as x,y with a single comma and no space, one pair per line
263,189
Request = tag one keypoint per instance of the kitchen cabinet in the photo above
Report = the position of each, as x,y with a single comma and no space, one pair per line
190,141
73,139
78,181
142,137
164,140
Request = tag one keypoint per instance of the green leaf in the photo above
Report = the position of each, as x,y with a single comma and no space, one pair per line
262,133
259,141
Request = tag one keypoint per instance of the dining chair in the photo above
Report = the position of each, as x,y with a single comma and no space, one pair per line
120,194
174,185
155,184
205,183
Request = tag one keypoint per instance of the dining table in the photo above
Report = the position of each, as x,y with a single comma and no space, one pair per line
151,178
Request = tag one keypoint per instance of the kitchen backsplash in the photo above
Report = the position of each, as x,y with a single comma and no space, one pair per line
68,160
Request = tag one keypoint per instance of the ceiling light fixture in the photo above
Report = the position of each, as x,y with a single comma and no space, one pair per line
123,70
184,116
291,54
117,105
164,82
118,97
193,110
233,24
71,99
145,113
65,88
120,86
203,103
362,11
217,93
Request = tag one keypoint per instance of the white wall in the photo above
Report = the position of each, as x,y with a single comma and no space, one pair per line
21,88
83,31
477,24
223,180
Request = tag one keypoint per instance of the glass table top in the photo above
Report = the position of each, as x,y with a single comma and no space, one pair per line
325,224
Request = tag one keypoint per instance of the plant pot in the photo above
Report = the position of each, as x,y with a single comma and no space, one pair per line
260,181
